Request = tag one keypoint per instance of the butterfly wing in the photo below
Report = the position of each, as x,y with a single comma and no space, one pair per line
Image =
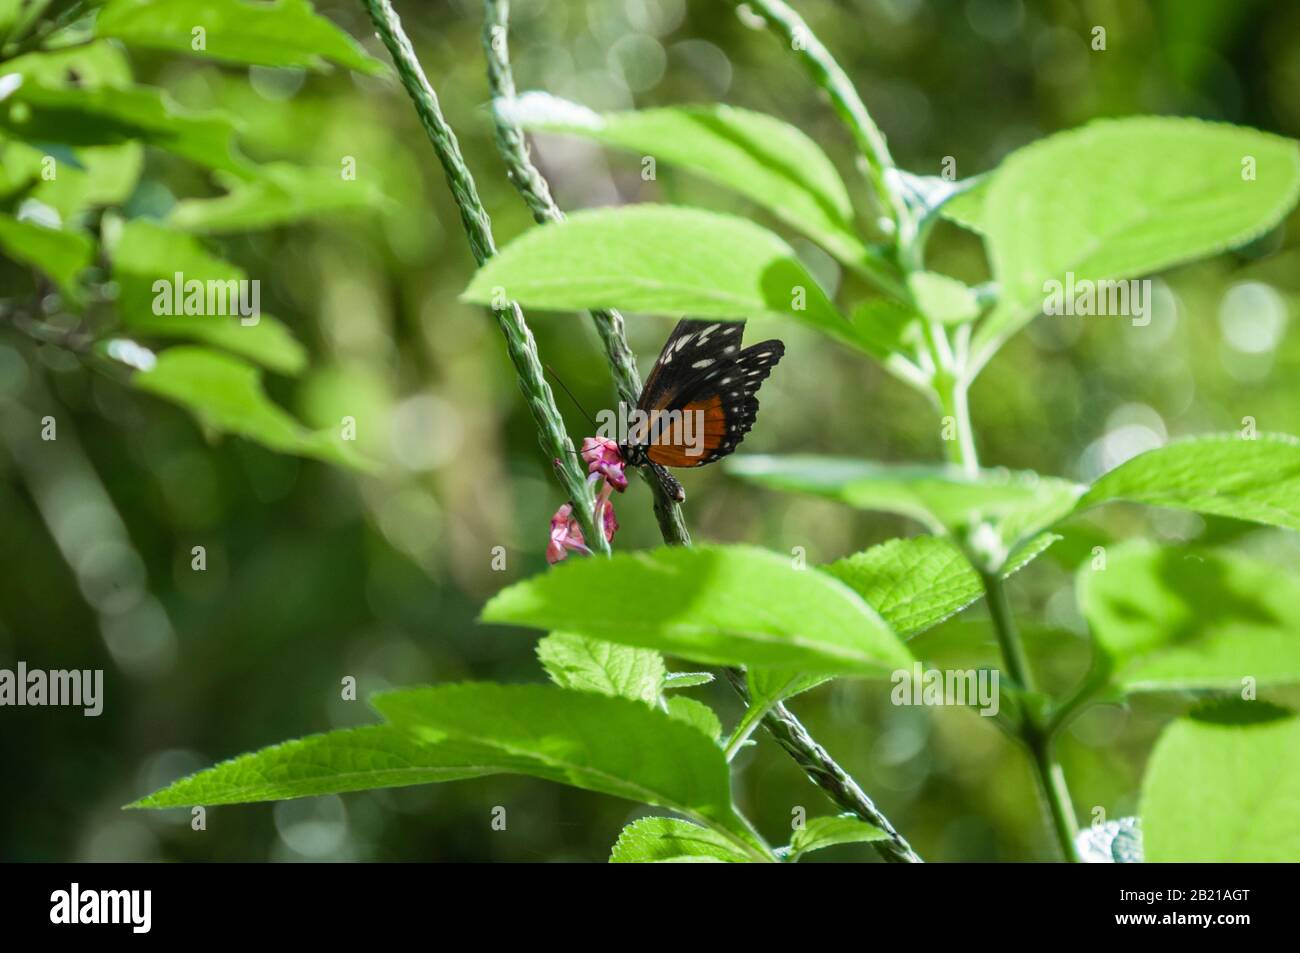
703,373
691,342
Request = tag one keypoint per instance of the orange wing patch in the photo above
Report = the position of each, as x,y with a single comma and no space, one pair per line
703,421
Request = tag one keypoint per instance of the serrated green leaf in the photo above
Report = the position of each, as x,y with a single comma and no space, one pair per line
660,259
918,582
226,393
1218,474
278,194
601,743
1120,198
356,759
733,605
822,832
1223,786
280,33
145,253
768,161
657,840
60,253
593,665
1169,619
696,714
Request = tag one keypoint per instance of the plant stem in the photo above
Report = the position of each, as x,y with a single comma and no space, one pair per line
830,76
1034,732
953,404
536,193
533,187
520,344
826,774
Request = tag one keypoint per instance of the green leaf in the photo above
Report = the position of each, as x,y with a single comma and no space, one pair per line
696,714
1223,786
659,259
282,33
87,66
145,253
966,208
657,840
882,327
1169,619
942,298
913,583
226,394
677,680
1121,198
593,665
279,194
111,116
940,498
917,583
356,759
768,161
767,686
822,832
732,605
59,253
83,178
601,743
1219,474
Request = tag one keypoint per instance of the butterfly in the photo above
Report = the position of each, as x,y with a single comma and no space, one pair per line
699,401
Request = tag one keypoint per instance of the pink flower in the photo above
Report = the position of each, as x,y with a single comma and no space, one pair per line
611,524
566,534
603,457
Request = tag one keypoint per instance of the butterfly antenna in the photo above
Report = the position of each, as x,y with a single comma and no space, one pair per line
595,426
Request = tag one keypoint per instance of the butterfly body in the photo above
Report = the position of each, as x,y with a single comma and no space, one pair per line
700,399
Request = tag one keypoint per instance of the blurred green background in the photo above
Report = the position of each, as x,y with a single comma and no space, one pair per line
314,574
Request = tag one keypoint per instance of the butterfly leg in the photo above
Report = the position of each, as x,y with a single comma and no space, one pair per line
669,483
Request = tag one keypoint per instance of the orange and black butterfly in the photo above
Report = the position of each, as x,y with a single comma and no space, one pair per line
699,401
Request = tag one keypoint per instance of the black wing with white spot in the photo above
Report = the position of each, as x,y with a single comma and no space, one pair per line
704,371
693,347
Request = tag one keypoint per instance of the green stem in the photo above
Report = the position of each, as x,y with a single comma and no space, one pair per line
824,772
954,404
1034,730
830,76
520,344
753,717
536,193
